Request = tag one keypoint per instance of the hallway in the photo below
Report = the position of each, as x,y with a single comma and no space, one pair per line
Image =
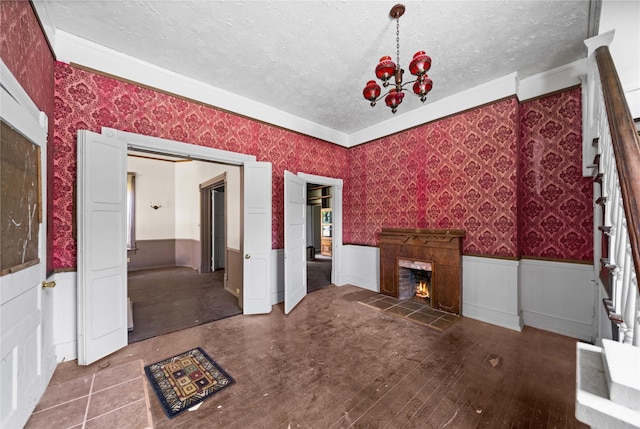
170,299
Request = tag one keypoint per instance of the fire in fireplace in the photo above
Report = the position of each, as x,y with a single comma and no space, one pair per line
414,280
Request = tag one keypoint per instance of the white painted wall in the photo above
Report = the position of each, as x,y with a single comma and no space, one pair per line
558,297
176,187
361,267
65,322
154,184
188,177
490,291
624,18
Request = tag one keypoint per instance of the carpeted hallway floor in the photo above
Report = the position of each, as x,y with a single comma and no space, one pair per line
173,298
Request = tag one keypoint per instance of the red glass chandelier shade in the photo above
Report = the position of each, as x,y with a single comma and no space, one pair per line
386,69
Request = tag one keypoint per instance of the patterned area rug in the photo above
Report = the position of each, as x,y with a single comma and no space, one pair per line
186,380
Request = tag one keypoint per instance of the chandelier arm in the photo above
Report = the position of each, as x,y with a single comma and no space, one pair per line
381,97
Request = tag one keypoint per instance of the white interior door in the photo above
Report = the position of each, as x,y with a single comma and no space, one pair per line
27,354
295,265
102,249
256,269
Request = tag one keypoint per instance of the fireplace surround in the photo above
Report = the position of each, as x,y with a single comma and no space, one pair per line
436,251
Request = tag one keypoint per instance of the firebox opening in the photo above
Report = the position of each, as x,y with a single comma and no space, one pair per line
414,280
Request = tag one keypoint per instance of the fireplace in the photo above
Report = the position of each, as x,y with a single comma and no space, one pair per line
414,280
423,265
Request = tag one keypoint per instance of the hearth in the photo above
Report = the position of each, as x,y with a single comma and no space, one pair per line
423,265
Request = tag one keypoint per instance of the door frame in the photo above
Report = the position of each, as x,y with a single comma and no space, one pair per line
336,196
189,151
206,222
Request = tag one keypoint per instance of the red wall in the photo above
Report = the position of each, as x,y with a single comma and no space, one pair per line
85,100
24,50
556,214
508,174
459,172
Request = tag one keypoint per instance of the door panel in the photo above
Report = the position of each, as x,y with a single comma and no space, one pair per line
295,266
102,268
256,270
27,354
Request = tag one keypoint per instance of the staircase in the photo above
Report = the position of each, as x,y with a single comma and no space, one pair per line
608,374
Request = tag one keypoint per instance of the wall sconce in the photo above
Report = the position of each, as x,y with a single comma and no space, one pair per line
155,206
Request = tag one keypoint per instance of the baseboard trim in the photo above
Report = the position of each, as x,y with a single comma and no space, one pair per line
494,317
67,351
360,282
569,328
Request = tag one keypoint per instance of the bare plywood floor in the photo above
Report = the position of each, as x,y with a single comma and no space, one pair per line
334,363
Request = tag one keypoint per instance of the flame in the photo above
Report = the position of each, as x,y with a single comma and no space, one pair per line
422,291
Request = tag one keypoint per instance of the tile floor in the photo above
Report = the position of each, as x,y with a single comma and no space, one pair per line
108,399
415,311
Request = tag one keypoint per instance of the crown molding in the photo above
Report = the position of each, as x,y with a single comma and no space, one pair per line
465,100
552,80
73,49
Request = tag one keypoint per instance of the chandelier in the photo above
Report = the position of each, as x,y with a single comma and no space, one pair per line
387,69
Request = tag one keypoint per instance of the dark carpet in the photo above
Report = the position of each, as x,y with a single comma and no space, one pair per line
318,274
174,298
170,299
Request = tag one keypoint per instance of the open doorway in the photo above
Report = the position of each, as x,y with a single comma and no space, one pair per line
319,236
177,259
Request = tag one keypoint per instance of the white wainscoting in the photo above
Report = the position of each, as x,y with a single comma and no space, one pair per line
277,276
65,316
559,297
553,296
490,291
361,267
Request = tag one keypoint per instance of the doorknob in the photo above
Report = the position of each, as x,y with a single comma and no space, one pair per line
46,284
247,256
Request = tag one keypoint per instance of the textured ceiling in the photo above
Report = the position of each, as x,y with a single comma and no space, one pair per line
312,58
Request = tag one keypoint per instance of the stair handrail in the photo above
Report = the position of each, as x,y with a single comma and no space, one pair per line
626,147
617,164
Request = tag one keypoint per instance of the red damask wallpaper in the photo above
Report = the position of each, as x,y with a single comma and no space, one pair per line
459,172
556,214
498,171
85,100
25,52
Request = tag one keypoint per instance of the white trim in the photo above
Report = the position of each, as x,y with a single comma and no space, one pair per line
552,80
477,96
595,42
19,95
47,20
156,144
73,49
336,241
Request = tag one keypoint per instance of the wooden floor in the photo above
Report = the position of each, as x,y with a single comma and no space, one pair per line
334,363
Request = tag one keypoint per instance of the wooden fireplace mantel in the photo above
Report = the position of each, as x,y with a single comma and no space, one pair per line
441,247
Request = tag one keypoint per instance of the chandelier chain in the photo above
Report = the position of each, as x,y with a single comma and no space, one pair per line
397,43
